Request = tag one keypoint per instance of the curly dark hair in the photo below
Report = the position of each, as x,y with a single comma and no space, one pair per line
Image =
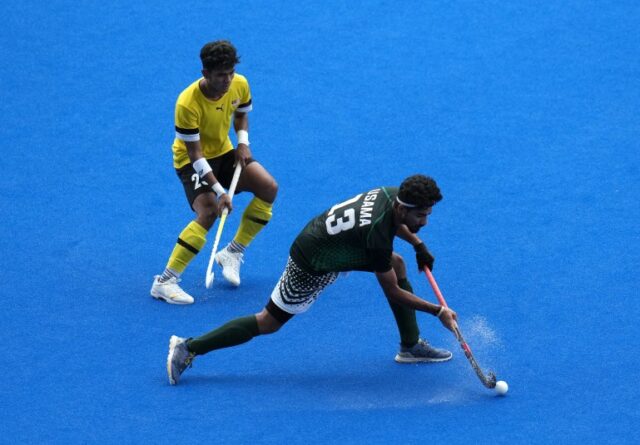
219,55
420,191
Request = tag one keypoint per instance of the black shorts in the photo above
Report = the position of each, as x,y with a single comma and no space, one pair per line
222,167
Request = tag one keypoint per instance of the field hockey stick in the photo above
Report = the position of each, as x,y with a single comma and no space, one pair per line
208,281
490,379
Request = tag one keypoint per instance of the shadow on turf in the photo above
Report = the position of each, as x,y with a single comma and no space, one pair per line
323,391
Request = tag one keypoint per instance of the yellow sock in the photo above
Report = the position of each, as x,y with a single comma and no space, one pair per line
189,243
255,217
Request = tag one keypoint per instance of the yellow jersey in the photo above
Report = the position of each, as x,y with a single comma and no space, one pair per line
206,120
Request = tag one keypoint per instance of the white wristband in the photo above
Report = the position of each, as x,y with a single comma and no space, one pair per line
218,189
440,311
243,137
202,167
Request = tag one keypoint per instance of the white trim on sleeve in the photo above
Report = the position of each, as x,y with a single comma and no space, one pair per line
188,137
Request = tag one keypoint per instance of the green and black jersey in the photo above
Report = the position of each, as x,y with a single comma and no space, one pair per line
356,234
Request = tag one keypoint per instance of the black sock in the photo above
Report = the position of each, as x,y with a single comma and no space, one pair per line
233,333
406,318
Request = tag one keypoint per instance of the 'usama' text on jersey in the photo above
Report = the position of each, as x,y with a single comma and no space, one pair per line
356,234
200,118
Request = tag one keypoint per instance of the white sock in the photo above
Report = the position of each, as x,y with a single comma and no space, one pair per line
168,274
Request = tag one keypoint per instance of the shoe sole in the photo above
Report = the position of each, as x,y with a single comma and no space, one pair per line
173,342
168,300
410,360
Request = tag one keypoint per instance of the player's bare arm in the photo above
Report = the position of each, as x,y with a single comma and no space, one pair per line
241,124
389,283
194,150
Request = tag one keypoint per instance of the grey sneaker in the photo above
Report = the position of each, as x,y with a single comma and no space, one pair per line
179,358
422,352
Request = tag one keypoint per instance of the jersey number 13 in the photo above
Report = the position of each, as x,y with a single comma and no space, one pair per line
336,224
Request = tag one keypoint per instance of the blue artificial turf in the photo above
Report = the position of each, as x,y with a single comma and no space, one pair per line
526,113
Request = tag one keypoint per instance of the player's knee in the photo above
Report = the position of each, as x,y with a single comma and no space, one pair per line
210,213
207,214
270,329
397,262
269,191
273,188
267,323
206,208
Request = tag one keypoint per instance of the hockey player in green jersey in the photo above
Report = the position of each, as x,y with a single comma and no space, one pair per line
354,235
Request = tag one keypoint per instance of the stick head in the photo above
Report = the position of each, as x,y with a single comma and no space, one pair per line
208,282
491,380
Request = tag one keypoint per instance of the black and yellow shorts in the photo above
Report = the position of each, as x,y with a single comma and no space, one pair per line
222,167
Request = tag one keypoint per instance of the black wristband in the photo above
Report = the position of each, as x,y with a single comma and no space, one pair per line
423,257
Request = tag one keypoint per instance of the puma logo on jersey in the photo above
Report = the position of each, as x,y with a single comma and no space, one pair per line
219,108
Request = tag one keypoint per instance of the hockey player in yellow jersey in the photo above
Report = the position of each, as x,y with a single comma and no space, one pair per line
204,158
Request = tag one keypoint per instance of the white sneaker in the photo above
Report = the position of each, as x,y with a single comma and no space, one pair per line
169,291
230,263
